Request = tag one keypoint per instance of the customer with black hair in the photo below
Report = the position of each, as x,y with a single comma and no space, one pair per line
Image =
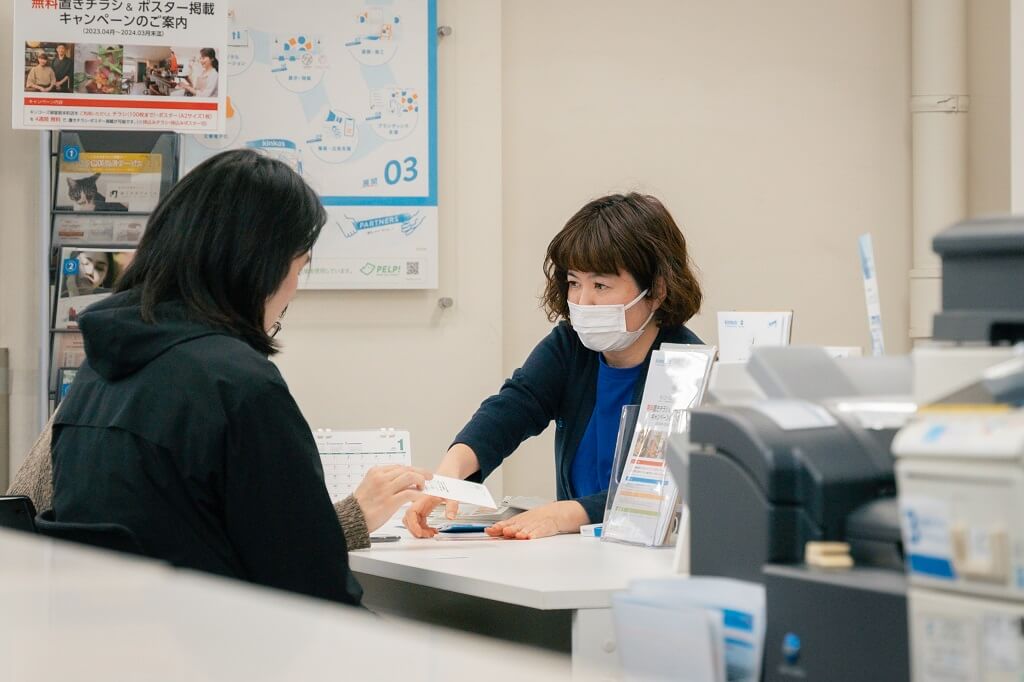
178,427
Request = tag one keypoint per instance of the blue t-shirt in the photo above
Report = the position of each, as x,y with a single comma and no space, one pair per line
592,466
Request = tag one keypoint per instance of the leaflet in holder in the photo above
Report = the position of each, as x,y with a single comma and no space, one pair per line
643,498
104,172
87,276
460,491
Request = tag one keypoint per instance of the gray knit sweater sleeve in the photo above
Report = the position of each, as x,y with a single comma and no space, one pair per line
353,523
35,476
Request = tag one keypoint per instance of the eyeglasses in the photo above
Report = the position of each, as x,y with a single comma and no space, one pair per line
276,327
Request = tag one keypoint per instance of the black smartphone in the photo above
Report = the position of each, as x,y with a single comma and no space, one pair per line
17,512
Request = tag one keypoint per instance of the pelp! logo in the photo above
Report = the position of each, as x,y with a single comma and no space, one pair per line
70,266
791,648
71,153
381,270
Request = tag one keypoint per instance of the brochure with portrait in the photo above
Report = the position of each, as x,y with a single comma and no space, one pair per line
86,276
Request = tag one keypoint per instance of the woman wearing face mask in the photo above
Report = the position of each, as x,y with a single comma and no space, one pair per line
620,280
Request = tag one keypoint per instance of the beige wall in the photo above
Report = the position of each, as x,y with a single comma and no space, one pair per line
392,358
19,293
775,132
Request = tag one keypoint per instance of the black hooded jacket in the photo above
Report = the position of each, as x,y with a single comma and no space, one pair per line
190,438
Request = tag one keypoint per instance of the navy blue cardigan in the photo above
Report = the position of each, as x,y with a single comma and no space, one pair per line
557,382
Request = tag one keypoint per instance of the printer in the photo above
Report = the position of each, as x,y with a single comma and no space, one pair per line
808,461
960,472
806,454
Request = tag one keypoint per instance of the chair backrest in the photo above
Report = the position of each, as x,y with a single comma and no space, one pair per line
17,512
104,535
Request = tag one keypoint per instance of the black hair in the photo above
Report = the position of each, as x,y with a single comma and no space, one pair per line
212,54
223,240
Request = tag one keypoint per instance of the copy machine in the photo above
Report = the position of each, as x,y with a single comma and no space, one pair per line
810,458
807,461
960,473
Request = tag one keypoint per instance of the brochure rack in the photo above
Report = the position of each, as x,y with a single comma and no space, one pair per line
97,189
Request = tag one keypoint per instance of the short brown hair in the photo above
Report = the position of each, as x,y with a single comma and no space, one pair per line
631,232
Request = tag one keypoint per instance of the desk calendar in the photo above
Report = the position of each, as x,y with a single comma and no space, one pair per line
347,455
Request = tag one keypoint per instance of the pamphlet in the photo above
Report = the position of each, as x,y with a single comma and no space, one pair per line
738,332
65,377
86,277
94,229
109,182
645,500
68,353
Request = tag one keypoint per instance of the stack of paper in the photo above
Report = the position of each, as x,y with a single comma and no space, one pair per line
691,629
738,332
471,513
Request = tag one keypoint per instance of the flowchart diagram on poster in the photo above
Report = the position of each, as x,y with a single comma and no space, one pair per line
343,92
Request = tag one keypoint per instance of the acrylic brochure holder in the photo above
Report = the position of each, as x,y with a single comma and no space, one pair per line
645,503
627,425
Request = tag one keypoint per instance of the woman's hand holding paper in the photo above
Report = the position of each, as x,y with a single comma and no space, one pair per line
386,488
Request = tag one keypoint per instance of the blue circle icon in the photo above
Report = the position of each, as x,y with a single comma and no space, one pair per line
70,266
71,153
791,648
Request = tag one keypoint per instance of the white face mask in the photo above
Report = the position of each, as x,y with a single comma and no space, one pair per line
602,328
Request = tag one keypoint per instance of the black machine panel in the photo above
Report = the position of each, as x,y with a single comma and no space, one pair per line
758,493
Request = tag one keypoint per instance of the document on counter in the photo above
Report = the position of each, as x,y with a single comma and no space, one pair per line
460,491
465,537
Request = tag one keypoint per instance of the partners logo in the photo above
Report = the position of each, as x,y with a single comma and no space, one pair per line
406,223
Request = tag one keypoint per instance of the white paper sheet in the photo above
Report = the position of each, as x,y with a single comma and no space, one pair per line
657,643
460,491
739,607
738,332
